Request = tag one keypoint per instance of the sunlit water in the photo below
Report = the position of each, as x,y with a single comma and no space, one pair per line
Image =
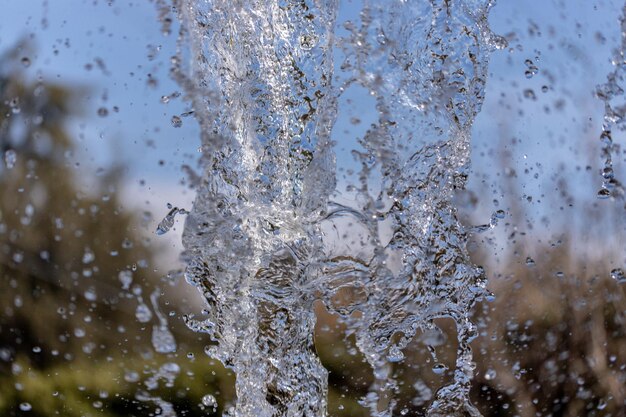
284,216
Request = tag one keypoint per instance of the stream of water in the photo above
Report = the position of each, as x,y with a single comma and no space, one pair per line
291,210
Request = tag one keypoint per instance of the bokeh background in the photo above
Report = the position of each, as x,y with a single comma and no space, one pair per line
96,140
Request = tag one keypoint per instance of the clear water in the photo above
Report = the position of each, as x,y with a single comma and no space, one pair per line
612,94
290,210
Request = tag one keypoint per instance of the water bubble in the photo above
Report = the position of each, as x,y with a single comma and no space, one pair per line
177,121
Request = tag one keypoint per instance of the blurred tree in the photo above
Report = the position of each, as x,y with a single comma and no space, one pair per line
62,250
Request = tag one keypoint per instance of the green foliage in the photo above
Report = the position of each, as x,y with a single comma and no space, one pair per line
61,249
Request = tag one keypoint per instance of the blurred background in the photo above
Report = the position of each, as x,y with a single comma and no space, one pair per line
96,141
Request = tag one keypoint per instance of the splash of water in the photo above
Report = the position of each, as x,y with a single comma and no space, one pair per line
265,78
612,94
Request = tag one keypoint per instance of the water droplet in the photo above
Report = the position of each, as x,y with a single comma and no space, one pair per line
10,158
530,94
126,278
26,406
177,121
143,313
103,112
490,375
91,295
209,401
25,62
531,68
439,368
395,354
530,261
603,194
88,256
308,42
607,173
14,104
618,275
168,221
162,339
131,376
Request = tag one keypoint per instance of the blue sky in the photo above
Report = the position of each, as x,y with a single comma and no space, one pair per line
570,41
125,34
126,38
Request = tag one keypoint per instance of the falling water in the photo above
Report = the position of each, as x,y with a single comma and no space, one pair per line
274,227
612,94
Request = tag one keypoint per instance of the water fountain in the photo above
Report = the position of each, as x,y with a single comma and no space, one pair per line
265,79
